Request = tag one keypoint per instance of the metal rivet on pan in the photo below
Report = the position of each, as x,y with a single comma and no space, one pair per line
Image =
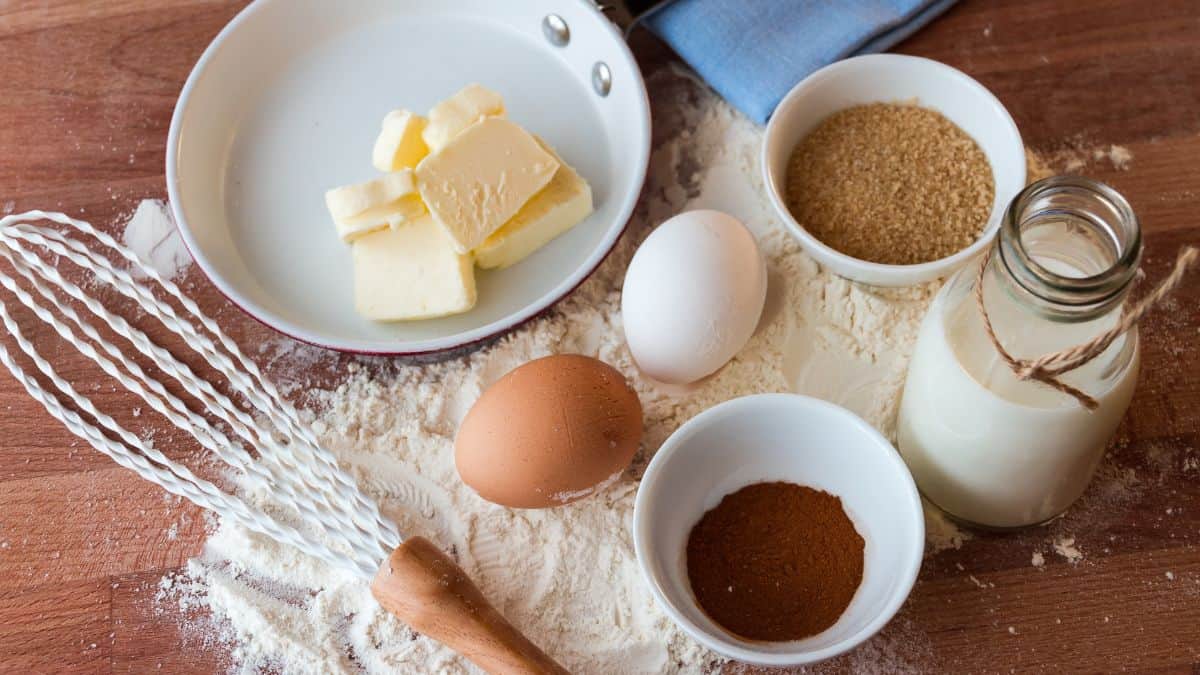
601,78
556,30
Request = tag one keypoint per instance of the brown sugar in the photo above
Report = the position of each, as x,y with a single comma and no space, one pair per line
890,183
775,561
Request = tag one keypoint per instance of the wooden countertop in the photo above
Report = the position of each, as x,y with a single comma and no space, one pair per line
86,94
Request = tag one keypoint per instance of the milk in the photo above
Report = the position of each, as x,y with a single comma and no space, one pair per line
989,448
984,445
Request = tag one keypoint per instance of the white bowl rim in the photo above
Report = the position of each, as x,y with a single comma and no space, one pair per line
464,340
722,644
865,267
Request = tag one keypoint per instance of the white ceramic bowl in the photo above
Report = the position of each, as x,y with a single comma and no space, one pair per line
781,437
287,101
892,78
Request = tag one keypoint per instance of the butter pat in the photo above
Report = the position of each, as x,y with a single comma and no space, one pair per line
564,202
399,145
452,116
361,209
395,215
411,273
351,200
478,181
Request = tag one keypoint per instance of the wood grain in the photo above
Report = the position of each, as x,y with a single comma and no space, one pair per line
86,94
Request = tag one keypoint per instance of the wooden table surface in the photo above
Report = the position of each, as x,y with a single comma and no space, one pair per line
86,93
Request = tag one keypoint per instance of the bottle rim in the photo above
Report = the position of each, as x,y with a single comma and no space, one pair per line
1099,290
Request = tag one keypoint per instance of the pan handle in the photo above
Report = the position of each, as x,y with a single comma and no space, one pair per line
628,14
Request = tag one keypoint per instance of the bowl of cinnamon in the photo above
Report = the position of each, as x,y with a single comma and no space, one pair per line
778,529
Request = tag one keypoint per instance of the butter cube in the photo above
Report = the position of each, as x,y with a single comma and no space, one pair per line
564,202
411,273
351,200
395,215
361,209
390,201
452,116
478,181
399,145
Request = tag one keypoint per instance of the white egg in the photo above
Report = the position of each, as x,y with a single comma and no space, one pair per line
693,295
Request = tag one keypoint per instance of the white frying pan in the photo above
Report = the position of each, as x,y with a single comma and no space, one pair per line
287,101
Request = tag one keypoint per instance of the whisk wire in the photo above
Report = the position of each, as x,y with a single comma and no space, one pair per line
170,406
290,459
322,472
176,410
173,477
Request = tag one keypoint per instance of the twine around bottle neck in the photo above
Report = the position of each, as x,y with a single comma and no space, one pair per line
1048,368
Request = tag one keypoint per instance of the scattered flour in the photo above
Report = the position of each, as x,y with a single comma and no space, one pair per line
567,576
941,533
1065,546
1038,560
1076,155
151,233
980,584
1118,155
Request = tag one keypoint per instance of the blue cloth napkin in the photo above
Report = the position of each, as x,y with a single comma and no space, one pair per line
754,51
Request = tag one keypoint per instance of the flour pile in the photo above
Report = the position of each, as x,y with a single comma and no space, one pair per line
568,576
151,233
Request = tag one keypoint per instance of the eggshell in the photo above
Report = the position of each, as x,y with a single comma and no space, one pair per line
693,296
550,432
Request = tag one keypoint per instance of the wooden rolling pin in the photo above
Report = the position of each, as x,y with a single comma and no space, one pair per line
423,587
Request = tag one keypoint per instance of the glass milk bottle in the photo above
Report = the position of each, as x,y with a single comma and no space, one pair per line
985,446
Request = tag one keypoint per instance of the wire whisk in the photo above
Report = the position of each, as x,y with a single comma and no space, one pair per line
262,438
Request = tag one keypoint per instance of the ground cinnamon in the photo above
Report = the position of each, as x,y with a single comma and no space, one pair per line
775,561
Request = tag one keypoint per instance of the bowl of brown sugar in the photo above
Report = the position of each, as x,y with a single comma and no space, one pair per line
892,170
778,529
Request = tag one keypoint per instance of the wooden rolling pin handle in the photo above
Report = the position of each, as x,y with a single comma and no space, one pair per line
423,587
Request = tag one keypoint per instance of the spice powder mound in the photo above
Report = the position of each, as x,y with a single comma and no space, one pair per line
890,183
775,562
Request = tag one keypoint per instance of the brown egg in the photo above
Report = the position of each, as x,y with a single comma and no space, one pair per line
550,432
